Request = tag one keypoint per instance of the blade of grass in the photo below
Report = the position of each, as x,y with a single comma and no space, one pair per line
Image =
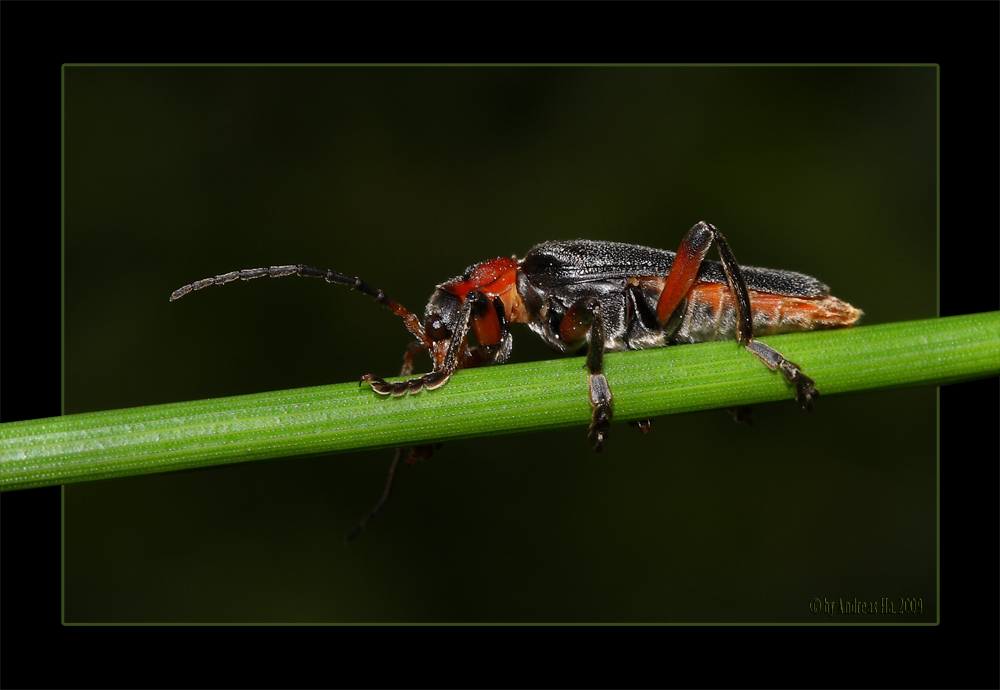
488,401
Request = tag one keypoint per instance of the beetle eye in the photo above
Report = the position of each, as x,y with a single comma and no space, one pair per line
436,328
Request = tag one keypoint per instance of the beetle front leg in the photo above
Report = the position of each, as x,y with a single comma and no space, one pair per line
415,453
584,316
475,300
414,349
682,277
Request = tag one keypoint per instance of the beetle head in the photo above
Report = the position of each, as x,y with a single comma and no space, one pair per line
440,317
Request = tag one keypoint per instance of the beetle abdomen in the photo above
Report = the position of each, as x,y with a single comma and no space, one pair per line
711,314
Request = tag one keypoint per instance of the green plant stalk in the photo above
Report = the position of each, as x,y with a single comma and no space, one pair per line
487,401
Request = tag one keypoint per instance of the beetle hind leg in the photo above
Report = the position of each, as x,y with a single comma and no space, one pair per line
678,285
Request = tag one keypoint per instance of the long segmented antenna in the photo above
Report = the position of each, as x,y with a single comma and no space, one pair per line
412,320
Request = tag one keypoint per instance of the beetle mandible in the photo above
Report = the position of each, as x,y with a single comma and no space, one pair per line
601,297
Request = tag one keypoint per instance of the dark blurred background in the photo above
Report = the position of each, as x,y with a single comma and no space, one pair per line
404,176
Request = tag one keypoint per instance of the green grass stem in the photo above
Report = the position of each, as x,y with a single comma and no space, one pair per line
488,401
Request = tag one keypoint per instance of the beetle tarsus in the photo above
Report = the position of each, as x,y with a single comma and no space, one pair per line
378,384
599,424
600,400
805,387
435,379
398,389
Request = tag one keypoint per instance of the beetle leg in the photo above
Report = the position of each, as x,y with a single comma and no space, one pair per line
684,271
476,305
452,359
418,452
493,339
411,352
356,530
584,316
414,349
805,387
678,285
636,307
